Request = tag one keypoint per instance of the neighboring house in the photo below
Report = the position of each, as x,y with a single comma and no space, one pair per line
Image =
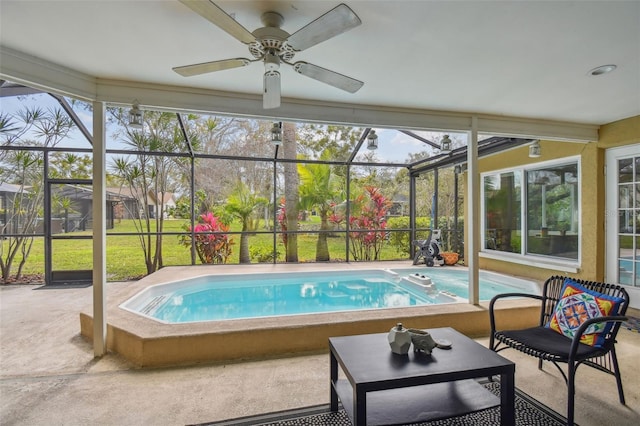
78,215
127,207
156,201
399,206
74,216
133,207
574,210
8,193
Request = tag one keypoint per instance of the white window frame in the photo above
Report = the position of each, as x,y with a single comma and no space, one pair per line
535,260
612,156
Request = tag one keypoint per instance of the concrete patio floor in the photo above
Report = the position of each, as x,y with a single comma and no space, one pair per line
48,375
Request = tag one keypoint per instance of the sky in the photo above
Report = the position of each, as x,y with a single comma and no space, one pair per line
11,104
393,146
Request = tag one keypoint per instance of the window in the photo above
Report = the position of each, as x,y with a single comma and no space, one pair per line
502,203
552,206
628,173
548,214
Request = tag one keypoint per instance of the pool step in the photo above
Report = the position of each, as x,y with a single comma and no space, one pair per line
153,304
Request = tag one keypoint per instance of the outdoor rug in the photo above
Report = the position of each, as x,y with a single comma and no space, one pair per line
632,324
529,412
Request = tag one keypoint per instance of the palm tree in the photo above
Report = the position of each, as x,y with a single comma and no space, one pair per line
291,181
242,203
318,189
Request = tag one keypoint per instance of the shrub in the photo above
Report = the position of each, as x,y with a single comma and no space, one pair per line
367,224
400,240
211,248
263,254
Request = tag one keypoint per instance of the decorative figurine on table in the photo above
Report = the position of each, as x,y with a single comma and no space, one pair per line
399,340
422,341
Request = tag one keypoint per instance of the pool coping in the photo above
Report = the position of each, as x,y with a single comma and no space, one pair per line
149,343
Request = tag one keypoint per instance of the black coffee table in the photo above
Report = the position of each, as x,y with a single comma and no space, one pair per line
383,388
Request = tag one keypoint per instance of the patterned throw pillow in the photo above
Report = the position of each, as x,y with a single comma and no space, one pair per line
578,304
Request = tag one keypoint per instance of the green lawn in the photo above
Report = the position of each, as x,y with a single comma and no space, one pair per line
125,259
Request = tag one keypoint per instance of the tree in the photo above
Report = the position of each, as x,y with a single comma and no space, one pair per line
242,203
291,182
233,138
149,175
24,170
315,139
68,165
319,189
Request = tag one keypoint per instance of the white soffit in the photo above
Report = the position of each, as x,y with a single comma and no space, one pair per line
26,69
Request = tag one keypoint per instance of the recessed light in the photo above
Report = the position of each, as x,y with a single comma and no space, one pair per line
602,69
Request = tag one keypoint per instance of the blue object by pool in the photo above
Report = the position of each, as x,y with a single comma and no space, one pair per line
224,297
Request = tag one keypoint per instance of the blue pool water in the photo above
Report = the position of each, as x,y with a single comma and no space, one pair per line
225,297
627,275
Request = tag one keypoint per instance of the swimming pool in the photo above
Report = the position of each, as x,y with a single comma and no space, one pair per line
240,296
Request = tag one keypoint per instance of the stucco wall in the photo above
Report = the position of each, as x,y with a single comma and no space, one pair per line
619,133
592,156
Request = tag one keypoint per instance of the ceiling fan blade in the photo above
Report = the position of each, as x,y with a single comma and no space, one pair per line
210,11
336,21
205,67
329,77
271,96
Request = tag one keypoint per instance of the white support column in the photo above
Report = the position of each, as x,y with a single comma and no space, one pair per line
472,221
99,231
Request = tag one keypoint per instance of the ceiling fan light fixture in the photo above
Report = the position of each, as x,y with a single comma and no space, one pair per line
445,145
271,95
276,133
135,116
535,150
372,140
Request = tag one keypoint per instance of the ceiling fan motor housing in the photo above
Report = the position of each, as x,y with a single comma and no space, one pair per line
271,39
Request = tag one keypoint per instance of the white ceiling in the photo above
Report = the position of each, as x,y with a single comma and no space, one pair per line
508,58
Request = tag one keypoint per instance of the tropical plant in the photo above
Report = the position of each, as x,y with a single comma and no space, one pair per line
62,205
211,245
241,204
319,189
183,205
67,165
367,224
148,175
24,169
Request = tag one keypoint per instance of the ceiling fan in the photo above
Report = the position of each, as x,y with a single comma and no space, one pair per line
274,46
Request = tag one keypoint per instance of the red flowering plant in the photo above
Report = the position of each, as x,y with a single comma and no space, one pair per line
367,224
335,217
211,244
282,220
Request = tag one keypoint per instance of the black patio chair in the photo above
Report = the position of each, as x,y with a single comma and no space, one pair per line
547,344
